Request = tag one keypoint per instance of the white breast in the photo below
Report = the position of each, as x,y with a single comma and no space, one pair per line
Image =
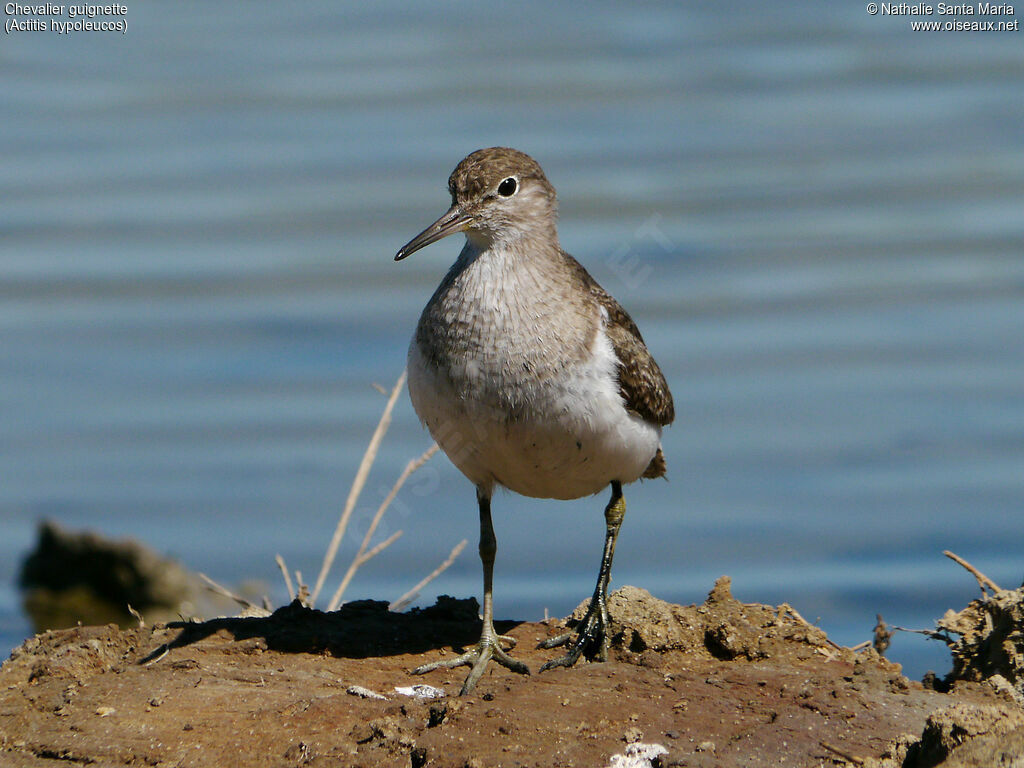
560,430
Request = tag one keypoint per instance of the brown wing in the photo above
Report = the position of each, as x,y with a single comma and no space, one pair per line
641,382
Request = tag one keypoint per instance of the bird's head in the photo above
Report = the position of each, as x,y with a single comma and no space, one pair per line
499,195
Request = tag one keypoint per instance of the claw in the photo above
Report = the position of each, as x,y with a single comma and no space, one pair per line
489,647
593,638
555,642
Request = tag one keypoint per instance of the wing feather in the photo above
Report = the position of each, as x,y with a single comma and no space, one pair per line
641,382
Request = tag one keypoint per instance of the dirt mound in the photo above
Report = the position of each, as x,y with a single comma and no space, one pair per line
722,628
719,684
962,736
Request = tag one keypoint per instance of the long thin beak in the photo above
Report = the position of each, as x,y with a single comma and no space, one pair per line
454,220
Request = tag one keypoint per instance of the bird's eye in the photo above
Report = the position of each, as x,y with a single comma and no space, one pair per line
508,187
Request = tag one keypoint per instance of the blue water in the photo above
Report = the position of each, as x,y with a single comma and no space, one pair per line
815,215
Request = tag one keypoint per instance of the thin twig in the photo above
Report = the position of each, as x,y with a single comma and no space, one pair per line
932,633
983,580
213,586
843,754
411,595
357,487
358,560
156,655
287,578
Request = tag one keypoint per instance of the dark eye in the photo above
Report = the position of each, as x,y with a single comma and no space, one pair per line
508,187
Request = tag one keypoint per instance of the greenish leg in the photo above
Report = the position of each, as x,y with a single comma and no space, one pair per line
594,632
489,645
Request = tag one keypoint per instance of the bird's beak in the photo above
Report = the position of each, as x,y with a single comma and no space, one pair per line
455,220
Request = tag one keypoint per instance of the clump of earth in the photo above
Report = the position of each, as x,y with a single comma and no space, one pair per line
989,642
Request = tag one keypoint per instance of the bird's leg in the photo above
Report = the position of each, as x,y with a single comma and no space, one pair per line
594,631
489,645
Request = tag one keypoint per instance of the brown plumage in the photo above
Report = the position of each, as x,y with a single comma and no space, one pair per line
641,382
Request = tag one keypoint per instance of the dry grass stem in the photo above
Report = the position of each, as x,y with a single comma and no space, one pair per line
287,579
983,581
361,556
213,586
379,548
138,616
411,595
357,487
357,561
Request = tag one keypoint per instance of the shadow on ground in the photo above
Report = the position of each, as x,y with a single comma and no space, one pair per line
357,630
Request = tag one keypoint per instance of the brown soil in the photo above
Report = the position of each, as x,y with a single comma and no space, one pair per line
720,684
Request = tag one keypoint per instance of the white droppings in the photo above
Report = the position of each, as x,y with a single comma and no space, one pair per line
365,693
637,756
420,691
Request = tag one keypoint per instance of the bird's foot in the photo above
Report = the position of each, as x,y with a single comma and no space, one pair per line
489,647
593,638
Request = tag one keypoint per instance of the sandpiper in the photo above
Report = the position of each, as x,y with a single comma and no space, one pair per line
531,376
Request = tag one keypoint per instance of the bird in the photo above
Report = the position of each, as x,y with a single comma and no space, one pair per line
531,377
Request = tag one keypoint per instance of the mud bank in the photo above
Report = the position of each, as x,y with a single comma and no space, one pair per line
719,684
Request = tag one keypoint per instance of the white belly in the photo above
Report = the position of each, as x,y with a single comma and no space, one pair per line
569,436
